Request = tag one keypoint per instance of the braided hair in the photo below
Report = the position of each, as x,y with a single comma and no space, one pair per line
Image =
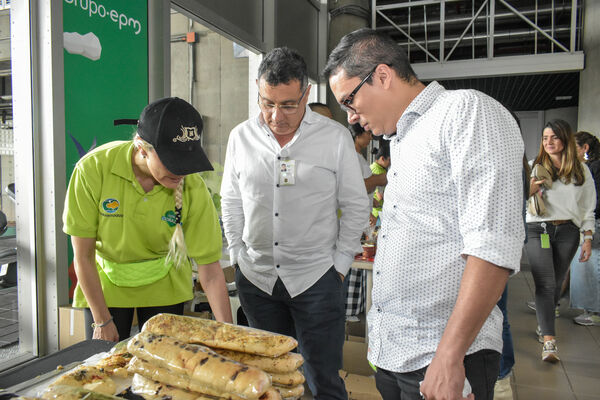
177,249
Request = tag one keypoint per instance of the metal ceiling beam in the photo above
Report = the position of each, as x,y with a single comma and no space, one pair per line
501,66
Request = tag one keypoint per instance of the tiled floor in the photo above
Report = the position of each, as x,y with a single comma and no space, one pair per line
577,376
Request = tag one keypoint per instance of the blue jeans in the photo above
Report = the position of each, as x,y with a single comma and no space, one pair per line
316,318
481,369
585,278
508,353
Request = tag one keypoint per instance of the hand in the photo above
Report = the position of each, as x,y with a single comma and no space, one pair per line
444,380
586,251
534,185
108,332
372,220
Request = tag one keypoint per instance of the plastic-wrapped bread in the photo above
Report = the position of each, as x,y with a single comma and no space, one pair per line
166,376
287,362
115,364
87,377
293,378
152,390
64,392
200,364
221,335
289,393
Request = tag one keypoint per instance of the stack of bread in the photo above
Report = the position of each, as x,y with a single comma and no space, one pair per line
193,358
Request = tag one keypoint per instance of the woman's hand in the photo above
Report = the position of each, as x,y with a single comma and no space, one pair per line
108,332
535,185
586,251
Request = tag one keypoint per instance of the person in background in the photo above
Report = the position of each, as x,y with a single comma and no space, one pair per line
137,213
362,139
585,276
452,228
553,237
282,228
380,167
322,109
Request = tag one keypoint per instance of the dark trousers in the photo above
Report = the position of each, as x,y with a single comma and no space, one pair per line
508,353
315,318
549,267
123,318
481,369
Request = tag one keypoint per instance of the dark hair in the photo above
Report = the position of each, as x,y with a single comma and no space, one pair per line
383,150
360,51
283,65
356,130
570,167
582,138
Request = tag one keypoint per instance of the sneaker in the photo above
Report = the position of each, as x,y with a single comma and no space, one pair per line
539,335
531,305
550,351
587,319
503,389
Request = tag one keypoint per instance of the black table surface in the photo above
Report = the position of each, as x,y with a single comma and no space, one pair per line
40,366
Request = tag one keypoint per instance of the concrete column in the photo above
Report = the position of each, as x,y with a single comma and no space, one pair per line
589,79
339,25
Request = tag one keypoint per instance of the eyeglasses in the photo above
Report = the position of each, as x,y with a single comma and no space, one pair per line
345,104
287,109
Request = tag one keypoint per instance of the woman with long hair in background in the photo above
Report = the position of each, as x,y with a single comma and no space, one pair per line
553,237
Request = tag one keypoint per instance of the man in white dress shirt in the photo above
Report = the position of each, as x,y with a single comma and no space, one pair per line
452,227
287,171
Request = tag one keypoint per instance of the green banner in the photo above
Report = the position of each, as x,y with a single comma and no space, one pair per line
106,72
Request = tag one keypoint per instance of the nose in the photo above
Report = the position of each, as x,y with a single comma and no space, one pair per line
276,114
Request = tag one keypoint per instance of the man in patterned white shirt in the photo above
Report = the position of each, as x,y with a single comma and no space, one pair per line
452,226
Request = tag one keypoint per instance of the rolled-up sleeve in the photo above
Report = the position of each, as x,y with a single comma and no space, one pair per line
486,159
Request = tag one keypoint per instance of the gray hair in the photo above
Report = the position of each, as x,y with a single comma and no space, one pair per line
283,65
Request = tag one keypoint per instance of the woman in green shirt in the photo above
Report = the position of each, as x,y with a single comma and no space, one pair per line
138,213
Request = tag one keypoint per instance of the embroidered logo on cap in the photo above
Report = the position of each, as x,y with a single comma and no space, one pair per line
188,133
110,205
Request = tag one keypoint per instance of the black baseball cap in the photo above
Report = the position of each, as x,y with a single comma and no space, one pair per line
173,127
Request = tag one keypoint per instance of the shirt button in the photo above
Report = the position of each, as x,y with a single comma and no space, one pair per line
277,185
395,174
277,266
277,214
278,157
383,236
394,206
276,243
377,273
379,309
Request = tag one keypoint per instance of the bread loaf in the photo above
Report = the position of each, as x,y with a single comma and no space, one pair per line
220,335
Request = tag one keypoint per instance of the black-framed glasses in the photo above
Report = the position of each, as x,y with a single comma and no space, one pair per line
345,104
285,108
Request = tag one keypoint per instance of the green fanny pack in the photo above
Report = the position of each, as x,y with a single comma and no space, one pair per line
134,274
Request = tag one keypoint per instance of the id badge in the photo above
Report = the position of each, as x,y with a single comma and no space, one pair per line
287,172
545,240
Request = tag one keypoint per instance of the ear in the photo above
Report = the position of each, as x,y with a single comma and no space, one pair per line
383,76
585,147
